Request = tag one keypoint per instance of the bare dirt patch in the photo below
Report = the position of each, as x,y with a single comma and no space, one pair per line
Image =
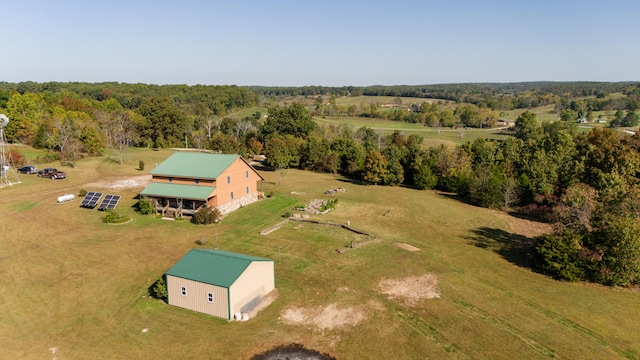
122,183
411,289
407,247
329,317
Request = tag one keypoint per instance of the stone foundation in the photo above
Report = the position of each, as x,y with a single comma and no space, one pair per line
237,203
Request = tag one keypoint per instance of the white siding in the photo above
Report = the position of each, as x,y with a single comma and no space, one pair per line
197,299
255,282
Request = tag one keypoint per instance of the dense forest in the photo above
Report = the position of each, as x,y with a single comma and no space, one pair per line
585,183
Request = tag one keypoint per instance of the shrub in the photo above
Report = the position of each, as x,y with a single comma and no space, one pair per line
270,194
159,289
114,217
287,214
82,192
329,204
558,255
206,215
140,165
16,157
48,158
145,206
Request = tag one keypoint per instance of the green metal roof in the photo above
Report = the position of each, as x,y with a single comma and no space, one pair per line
215,267
194,192
194,165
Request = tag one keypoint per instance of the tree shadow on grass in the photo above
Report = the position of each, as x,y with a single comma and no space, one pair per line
514,248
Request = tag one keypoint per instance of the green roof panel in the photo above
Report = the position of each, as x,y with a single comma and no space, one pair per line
193,192
198,165
215,267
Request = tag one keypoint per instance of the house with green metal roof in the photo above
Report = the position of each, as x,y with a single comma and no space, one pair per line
188,180
219,283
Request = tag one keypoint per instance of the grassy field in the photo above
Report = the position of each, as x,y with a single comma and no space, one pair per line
79,286
544,113
432,136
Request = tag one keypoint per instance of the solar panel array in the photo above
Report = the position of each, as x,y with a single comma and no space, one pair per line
109,202
91,199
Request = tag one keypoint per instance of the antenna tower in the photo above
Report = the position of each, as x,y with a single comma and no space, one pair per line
6,163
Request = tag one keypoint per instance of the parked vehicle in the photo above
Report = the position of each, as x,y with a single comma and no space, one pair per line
52,173
29,169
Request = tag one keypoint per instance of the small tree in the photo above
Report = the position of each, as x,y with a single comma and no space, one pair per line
145,206
140,165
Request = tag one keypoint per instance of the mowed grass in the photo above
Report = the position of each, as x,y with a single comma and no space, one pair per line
72,283
432,136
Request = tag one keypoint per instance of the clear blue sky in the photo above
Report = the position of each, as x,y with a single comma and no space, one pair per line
330,43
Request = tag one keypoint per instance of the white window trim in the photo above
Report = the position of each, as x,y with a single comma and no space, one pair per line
183,290
210,298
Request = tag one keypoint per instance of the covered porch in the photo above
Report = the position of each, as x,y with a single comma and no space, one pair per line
175,200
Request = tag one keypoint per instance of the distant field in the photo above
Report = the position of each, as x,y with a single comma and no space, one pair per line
248,112
544,113
432,137
77,286
358,100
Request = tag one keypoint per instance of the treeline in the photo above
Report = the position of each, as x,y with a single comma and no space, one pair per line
585,182
193,100
432,114
496,96
79,119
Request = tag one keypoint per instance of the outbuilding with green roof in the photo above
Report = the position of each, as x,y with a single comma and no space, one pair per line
189,180
220,283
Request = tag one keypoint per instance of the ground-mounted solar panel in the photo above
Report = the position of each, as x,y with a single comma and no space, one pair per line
109,202
91,199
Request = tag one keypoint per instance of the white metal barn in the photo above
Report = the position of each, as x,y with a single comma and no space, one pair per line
219,283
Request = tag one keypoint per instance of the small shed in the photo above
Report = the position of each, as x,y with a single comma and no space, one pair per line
219,283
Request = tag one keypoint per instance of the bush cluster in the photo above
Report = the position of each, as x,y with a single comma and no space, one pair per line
114,217
206,215
145,206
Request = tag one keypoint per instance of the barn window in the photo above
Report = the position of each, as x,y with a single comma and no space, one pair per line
170,179
228,179
232,195
210,297
183,290
197,181
247,189
246,174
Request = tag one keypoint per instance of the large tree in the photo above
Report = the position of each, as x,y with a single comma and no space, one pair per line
292,120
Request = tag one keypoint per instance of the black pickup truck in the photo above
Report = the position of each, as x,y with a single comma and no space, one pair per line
52,173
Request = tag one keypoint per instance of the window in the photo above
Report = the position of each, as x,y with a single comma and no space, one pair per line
247,189
170,179
232,195
228,179
246,174
183,291
210,297
197,181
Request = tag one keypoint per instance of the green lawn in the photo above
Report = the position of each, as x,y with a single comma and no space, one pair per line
73,283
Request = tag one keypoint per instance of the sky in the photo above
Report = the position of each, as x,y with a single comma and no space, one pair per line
324,43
